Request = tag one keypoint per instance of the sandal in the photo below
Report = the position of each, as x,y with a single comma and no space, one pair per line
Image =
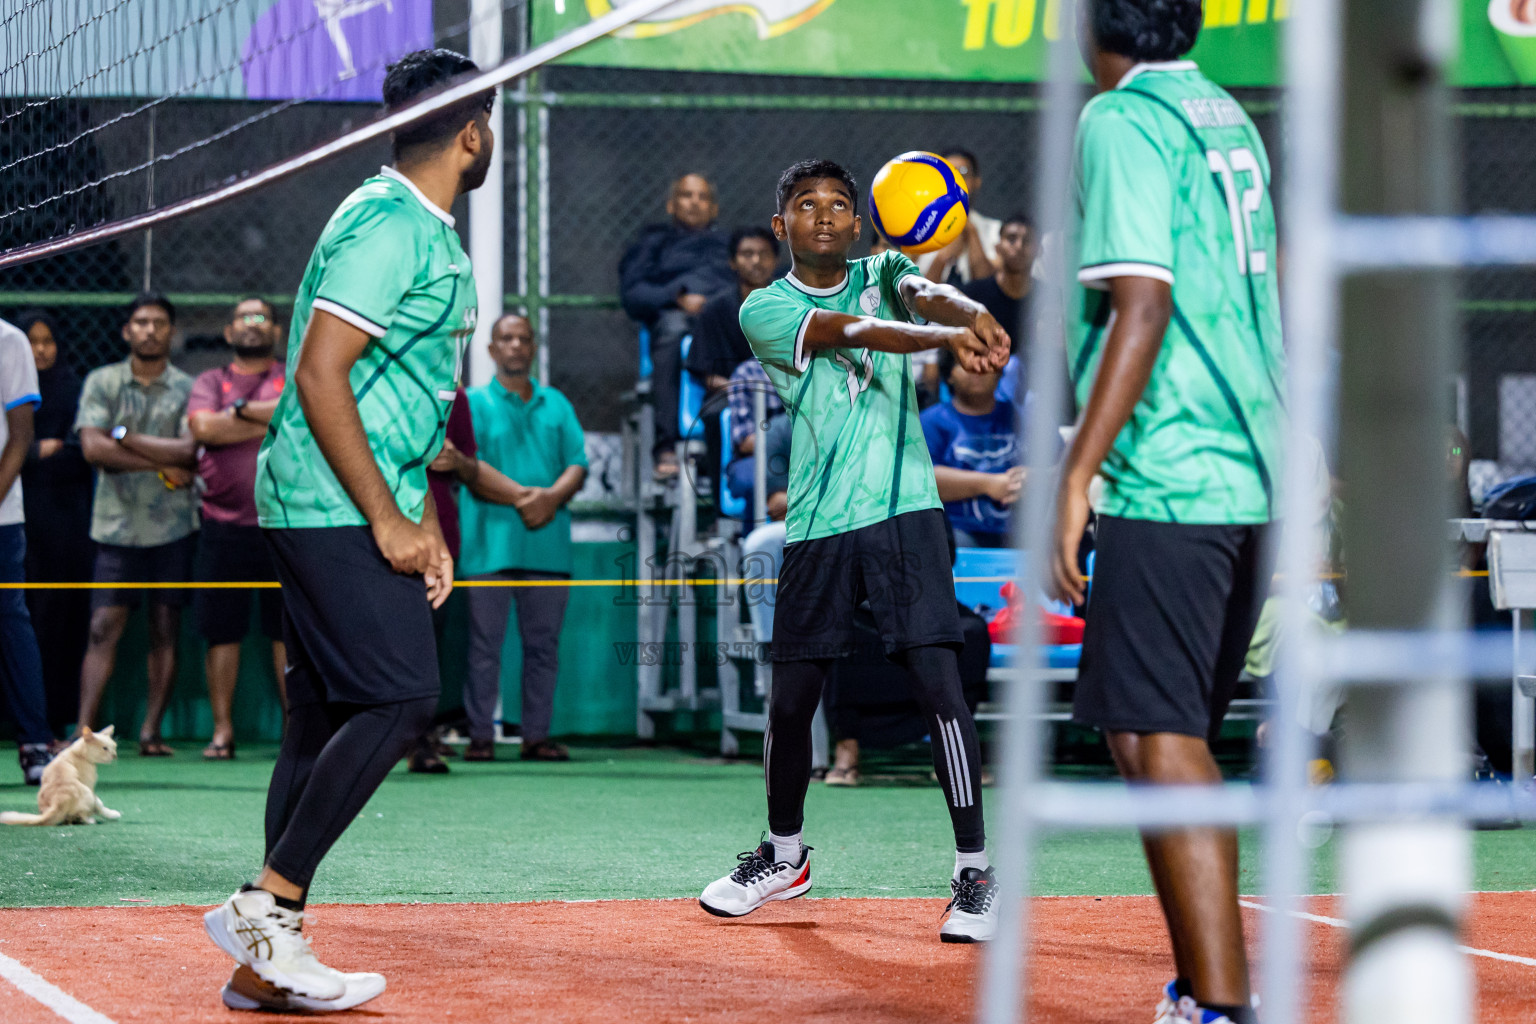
154,747
219,751
842,777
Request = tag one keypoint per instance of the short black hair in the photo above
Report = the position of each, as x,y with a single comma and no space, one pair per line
970,157
755,231
1020,218
806,170
1146,30
150,299
946,364
271,309
423,71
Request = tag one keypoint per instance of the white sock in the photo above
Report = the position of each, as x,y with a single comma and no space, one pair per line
979,861
786,849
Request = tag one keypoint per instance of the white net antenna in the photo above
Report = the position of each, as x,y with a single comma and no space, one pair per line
72,176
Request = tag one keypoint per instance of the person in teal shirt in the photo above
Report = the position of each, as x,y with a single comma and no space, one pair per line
528,432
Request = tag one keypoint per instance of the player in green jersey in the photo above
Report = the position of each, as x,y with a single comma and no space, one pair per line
864,521
380,325
1177,359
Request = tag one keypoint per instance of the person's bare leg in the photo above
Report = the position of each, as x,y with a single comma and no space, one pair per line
277,885
280,673
107,625
845,755
223,668
164,627
1195,870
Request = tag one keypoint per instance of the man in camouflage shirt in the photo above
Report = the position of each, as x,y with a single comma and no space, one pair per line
132,424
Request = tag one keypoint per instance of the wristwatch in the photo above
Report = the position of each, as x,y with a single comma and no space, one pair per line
119,432
237,407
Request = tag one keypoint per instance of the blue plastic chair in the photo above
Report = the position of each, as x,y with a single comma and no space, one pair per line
731,503
690,399
645,353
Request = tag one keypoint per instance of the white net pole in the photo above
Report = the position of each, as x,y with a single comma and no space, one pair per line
595,29
1004,992
487,204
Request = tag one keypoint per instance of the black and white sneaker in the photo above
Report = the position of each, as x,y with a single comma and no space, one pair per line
972,908
758,879
34,758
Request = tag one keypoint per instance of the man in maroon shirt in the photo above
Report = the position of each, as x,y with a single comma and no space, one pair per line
228,414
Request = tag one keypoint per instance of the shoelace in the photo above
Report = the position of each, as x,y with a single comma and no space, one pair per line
752,867
972,897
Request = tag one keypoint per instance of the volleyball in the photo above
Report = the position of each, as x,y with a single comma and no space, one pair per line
918,202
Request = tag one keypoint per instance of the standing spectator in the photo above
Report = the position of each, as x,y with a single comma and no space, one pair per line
529,433
1007,293
56,490
974,254
665,280
455,465
975,451
21,666
228,413
132,428
719,347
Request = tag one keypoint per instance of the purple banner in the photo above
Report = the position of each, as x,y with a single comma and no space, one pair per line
331,49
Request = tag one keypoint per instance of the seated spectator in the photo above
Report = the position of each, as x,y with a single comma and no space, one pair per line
719,346
228,412
741,389
1006,294
665,280
56,491
973,442
529,434
131,425
974,254
21,665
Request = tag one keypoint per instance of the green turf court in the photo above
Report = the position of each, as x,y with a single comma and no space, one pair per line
617,822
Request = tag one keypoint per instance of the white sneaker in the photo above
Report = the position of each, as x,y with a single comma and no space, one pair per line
268,939
245,991
972,908
1173,1008
757,880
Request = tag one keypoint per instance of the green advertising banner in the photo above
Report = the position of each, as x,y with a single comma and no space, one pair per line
973,40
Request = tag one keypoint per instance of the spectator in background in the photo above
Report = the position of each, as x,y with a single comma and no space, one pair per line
455,465
228,412
528,432
974,254
719,346
1007,293
976,456
132,423
665,280
56,490
21,666
748,379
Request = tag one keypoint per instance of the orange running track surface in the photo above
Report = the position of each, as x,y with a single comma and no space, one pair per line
1097,961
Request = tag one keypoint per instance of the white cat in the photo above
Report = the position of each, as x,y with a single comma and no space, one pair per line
68,793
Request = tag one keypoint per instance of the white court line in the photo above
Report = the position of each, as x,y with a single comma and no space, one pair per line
1334,922
56,999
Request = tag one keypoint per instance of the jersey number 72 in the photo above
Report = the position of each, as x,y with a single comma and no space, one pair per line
1250,256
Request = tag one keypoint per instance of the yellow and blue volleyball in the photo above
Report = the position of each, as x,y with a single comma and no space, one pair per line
919,203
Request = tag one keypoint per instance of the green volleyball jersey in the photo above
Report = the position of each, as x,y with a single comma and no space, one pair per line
390,263
1173,184
857,454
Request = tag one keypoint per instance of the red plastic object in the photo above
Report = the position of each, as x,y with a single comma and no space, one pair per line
1055,629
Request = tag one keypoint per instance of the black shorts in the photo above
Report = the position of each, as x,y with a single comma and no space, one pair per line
230,553
901,566
163,563
1170,618
357,631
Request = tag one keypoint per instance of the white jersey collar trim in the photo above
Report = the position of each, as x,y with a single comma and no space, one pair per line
796,283
432,208
1156,65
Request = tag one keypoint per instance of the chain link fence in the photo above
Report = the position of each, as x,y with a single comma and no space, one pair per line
591,154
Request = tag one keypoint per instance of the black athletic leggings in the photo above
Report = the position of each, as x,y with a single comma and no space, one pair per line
935,675
333,758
